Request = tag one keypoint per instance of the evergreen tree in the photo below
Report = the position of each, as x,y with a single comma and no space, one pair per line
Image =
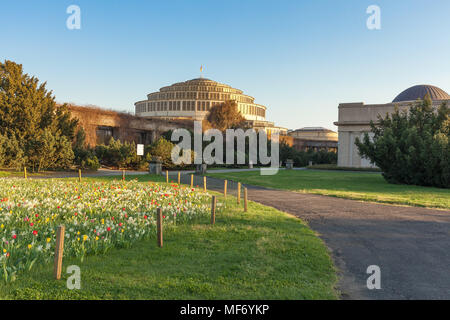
412,147
31,122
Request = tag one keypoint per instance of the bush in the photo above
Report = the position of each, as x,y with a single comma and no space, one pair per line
120,155
302,158
90,163
85,158
162,149
48,150
412,147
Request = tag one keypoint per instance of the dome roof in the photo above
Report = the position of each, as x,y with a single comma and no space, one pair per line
420,91
198,83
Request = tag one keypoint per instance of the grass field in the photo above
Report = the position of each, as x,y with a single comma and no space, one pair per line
261,254
351,185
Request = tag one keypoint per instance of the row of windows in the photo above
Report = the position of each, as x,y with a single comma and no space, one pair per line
201,88
191,106
176,106
142,107
253,110
198,95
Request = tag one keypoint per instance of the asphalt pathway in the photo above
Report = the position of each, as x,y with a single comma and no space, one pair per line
410,245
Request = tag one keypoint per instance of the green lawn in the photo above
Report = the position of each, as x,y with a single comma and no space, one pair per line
261,254
18,174
352,185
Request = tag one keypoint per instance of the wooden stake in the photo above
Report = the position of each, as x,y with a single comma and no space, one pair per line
59,250
192,181
213,210
179,177
245,199
25,172
123,175
239,193
225,183
204,183
167,176
79,175
159,227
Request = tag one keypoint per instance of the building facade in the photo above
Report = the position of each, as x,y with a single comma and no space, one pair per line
101,125
194,98
314,138
354,120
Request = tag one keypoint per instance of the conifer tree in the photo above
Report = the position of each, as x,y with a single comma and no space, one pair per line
412,147
31,123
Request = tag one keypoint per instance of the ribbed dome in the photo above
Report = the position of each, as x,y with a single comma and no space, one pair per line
200,84
420,91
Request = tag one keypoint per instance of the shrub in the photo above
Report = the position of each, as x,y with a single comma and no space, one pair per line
412,147
162,149
85,158
118,154
302,158
48,150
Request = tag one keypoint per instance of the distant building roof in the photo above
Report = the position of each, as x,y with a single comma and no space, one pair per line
420,91
314,129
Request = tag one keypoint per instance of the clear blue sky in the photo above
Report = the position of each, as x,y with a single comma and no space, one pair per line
300,58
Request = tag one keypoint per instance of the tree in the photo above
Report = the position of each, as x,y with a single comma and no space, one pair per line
11,155
411,147
225,116
162,149
30,118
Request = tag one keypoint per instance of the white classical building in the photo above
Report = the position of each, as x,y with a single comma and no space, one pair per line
194,98
354,120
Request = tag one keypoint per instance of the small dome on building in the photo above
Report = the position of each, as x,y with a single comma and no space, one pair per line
420,91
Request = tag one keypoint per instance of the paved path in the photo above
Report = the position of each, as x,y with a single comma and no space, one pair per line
411,245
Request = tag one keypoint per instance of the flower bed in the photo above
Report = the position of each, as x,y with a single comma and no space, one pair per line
97,216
